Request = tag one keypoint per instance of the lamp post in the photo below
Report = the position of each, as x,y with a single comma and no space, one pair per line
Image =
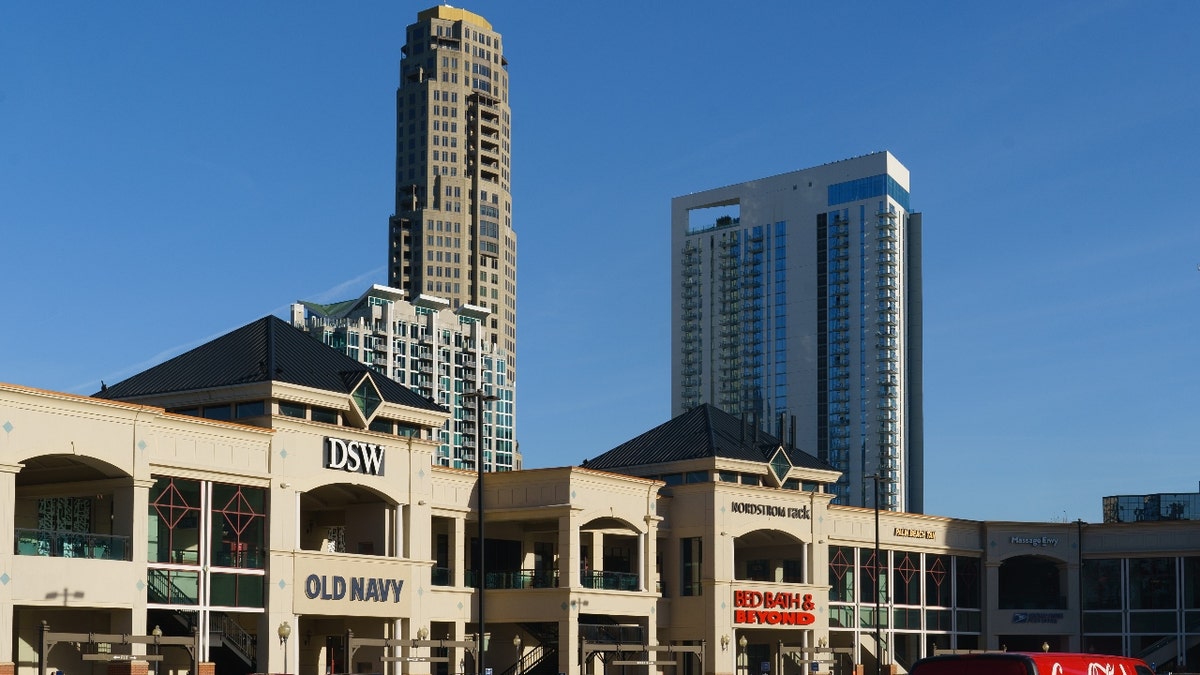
1079,578
743,660
284,631
878,567
480,398
157,633
517,645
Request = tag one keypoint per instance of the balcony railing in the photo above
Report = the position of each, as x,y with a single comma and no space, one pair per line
441,576
63,544
613,581
547,578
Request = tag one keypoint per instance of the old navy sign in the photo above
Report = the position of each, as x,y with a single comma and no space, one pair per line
354,456
773,609
360,589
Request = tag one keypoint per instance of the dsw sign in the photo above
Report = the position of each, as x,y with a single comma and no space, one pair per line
354,456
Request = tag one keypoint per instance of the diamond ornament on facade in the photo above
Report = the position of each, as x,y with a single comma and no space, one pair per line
780,465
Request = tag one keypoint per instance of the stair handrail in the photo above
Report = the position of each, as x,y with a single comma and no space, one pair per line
236,638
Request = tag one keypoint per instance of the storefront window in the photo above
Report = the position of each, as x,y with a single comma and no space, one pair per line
971,622
235,537
239,524
907,586
1152,583
937,580
1102,622
173,587
1191,582
968,592
237,590
938,619
174,527
875,577
690,560
1102,584
841,617
1152,622
841,574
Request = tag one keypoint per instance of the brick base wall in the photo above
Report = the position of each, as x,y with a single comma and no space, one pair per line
128,668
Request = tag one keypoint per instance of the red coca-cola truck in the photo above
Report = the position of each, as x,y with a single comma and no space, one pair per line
1030,663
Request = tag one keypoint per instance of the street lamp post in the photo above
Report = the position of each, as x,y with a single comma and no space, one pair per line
157,633
1079,578
517,645
878,567
284,631
743,660
481,398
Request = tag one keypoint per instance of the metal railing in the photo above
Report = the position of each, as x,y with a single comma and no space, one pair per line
161,588
238,639
613,581
524,578
64,544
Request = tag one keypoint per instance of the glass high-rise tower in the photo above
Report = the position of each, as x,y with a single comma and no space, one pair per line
796,303
451,233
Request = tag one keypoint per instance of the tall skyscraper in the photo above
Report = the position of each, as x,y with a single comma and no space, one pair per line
451,233
796,303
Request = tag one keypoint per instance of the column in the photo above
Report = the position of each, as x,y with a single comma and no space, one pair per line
399,545
569,554
641,561
8,507
458,665
130,509
568,643
458,545
649,553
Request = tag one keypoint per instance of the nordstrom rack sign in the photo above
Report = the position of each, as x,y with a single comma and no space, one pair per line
354,456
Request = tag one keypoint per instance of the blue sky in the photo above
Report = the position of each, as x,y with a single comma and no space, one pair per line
172,171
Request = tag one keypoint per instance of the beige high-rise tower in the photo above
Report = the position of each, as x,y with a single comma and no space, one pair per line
451,233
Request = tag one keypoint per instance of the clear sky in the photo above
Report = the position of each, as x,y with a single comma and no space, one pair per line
171,171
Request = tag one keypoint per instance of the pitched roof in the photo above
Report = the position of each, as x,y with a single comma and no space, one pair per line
266,350
703,431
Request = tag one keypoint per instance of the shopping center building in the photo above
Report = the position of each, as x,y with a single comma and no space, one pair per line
278,504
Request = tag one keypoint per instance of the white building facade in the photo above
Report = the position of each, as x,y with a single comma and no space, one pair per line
796,302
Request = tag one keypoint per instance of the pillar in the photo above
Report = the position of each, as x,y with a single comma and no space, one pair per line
399,548
648,550
458,545
569,553
568,643
8,506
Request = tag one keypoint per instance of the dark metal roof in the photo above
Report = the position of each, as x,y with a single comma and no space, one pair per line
703,431
266,350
